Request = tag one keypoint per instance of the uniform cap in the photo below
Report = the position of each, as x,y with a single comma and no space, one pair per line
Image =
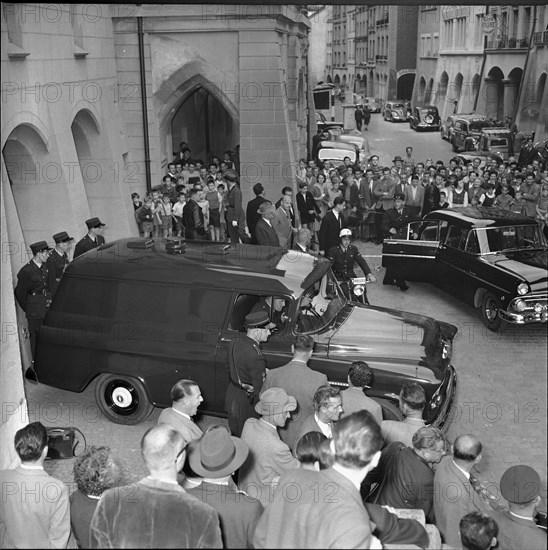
231,175
399,196
62,237
520,484
257,319
94,222
40,246
275,401
345,233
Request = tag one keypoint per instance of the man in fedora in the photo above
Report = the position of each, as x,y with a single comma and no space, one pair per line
247,369
215,457
265,234
58,260
398,164
32,292
269,456
92,239
520,486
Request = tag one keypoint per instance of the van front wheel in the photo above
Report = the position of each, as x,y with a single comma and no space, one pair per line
122,399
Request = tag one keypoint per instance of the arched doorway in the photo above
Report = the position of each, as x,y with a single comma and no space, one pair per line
421,89
475,90
428,94
358,84
203,122
494,94
511,87
455,92
36,179
329,80
404,86
371,85
532,111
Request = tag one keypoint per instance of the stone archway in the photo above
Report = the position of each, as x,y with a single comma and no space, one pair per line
329,80
36,178
428,93
494,94
475,90
421,90
404,87
455,93
511,88
371,85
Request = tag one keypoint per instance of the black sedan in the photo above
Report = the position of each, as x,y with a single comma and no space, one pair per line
424,118
490,258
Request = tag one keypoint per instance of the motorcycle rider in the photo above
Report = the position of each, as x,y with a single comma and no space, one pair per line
343,257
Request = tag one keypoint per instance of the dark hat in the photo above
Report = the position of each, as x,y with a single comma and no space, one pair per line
257,319
231,175
266,207
62,237
520,484
40,246
217,453
94,222
399,196
397,157
275,401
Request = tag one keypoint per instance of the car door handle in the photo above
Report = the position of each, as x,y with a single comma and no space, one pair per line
223,339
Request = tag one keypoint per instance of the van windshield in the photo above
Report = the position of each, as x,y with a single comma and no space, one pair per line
320,304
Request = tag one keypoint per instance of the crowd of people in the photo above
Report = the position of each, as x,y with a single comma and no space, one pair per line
311,467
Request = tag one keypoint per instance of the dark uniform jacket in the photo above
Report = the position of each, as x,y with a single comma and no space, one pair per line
234,210
247,364
56,266
306,203
252,216
87,243
329,231
516,533
431,198
344,260
273,315
265,234
193,220
392,219
32,291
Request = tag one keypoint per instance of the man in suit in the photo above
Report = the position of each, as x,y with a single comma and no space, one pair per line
327,411
354,399
281,222
302,240
193,218
35,511
274,307
299,379
520,486
186,397
235,215
58,260
394,225
431,199
247,369
269,456
454,497
215,457
265,234
414,197
318,518
32,292
307,207
407,479
366,206
331,226
252,213
288,191
92,240
159,513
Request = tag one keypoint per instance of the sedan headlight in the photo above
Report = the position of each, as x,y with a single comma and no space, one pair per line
520,305
395,115
523,288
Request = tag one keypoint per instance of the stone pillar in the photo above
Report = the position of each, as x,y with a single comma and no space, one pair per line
510,97
489,97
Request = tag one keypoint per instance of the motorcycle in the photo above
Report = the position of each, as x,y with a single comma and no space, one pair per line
354,289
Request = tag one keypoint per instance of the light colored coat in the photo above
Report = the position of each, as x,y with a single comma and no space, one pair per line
282,225
268,458
186,427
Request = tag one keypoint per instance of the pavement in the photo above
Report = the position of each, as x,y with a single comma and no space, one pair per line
501,393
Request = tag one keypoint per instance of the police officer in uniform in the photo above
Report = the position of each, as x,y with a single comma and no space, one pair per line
344,257
32,292
58,260
92,240
247,370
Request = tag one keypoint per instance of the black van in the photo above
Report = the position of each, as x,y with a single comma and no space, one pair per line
138,318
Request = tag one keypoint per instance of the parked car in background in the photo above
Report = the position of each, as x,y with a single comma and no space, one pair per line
353,137
323,123
351,148
394,111
493,142
466,132
490,258
104,325
446,128
424,118
374,104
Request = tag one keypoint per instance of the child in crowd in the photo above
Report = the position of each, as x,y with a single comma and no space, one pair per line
177,212
203,204
504,200
164,210
443,200
145,217
519,204
542,207
488,199
214,198
156,220
222,210
137,204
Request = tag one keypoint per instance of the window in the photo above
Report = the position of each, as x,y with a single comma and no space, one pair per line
456,237
12,16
